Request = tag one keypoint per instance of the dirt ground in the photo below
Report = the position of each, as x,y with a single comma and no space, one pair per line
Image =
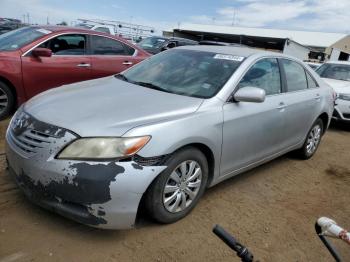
271,209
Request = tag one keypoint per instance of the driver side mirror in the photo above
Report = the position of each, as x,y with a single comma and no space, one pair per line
42,52
250,94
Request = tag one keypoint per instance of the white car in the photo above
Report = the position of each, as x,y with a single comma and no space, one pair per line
337,75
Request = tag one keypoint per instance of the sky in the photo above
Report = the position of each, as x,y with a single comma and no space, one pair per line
309,15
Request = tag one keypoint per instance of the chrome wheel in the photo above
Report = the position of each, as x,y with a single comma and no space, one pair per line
313,139
182,186
3,100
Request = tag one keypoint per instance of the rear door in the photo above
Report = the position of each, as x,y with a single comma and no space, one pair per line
69,63
302,101
254,131
110,56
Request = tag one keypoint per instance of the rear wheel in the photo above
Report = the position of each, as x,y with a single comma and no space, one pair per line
7,101
312,141
176,191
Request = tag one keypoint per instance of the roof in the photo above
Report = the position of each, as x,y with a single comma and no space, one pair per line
59,28
172,38
315,39
229,50
338,62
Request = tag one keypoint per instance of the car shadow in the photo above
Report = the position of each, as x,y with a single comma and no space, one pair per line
143,219
340,126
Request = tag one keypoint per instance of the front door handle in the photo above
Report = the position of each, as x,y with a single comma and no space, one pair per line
83,65
318,97
127,63
281,106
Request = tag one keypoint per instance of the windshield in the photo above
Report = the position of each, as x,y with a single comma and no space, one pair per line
185,72
18,38
335,71
152,42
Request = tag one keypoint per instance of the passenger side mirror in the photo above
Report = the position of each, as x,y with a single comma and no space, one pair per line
250,94
42,52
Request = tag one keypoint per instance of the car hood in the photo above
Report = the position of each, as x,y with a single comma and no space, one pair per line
107,107
339,86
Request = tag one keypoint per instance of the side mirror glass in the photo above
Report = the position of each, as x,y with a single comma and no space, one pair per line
250,94
42,52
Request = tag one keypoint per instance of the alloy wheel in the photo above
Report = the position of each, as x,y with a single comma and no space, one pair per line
182,186
3,100
313,139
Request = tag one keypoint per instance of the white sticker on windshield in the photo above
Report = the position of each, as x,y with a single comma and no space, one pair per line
229,57
44,31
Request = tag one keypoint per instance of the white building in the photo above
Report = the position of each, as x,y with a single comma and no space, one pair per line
301,44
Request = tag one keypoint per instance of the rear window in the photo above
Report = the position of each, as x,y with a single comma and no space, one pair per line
107,46
16,39
295,75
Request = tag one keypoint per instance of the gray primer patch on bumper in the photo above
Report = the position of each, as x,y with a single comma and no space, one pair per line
39,194
91,183
72,197
137,166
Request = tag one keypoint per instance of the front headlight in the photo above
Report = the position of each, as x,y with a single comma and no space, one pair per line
344,97
103,148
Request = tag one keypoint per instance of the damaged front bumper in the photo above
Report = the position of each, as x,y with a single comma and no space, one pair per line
99,194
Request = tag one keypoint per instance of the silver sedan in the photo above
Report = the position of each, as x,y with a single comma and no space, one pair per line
163,131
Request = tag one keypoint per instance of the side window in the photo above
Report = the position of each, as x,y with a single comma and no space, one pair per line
107,46
66,45
265,74
129,50
311,83
295,75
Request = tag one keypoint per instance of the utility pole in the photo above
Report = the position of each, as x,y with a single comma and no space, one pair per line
24,19
47,20
28,19
234,17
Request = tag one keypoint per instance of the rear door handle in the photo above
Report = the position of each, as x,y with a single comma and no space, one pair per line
281,106
127,63
318,97
83,65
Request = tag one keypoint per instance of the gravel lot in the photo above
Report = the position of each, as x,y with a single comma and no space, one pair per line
272,209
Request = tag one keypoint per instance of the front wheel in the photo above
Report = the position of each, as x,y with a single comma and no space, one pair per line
176,191
7,100
312,141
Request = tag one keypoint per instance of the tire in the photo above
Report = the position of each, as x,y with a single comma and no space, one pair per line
161,205
312,140
7,100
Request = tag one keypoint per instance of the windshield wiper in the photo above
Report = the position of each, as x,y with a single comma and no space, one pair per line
122,77
152,86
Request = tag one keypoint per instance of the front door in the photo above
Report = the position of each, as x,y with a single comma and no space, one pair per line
254,131
68,64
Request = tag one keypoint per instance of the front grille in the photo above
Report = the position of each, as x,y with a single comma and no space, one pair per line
30,140
29,135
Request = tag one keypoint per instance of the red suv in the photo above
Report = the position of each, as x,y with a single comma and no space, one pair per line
37,58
